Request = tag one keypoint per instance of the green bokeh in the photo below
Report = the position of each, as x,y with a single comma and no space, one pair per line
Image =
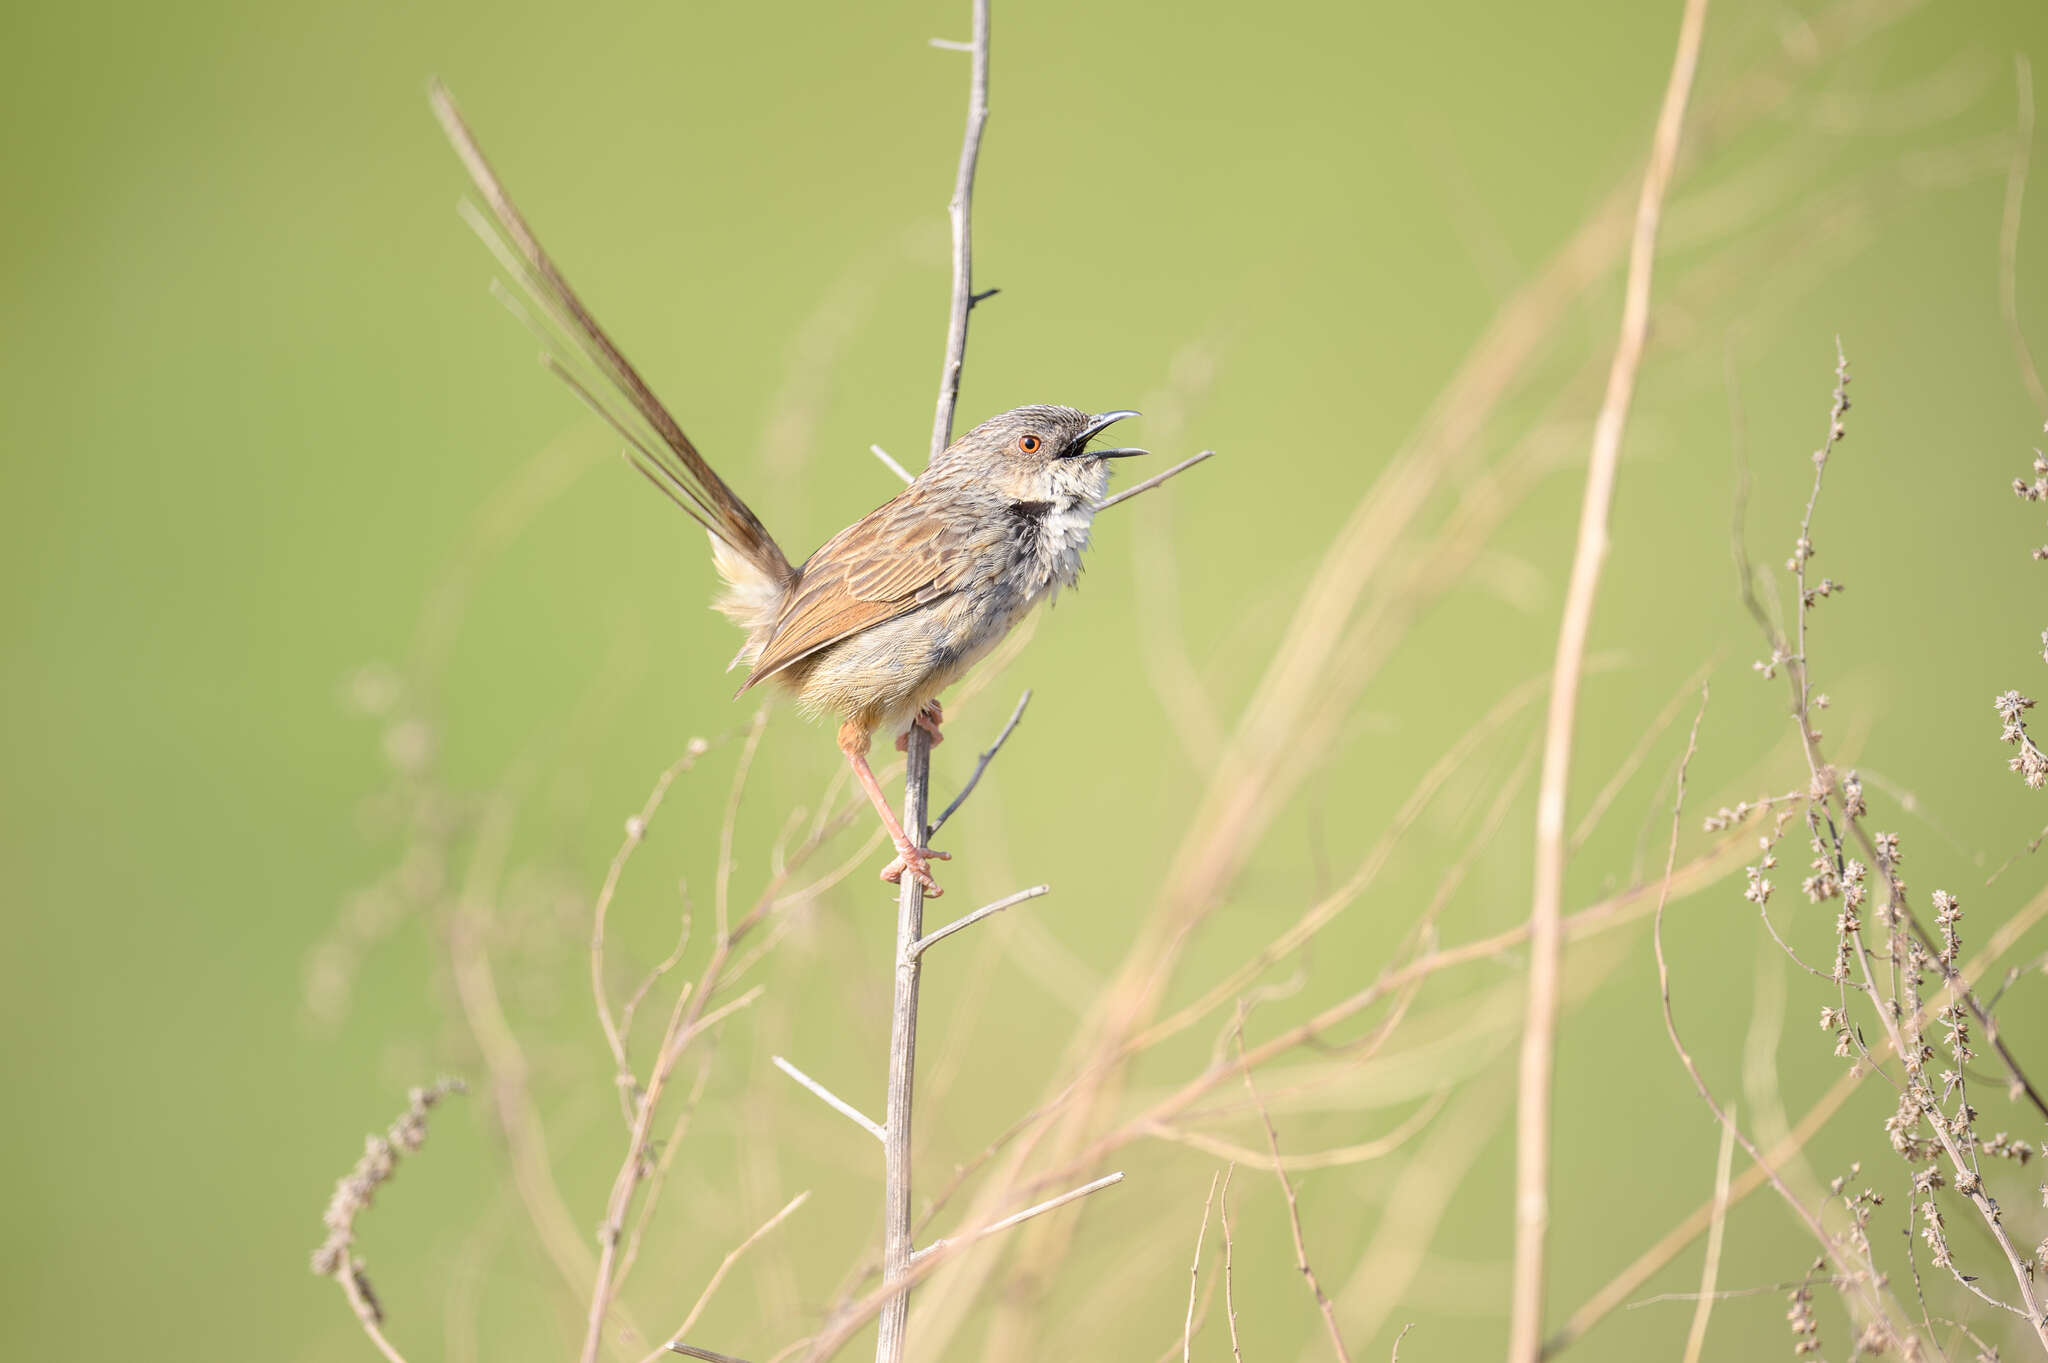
257,408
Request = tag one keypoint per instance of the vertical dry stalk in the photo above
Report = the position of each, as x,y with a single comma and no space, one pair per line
1546,935
896,1242
891,1335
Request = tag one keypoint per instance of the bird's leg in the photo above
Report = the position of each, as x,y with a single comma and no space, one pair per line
929,717
853,741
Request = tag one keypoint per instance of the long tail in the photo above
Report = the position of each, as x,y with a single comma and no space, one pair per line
576,349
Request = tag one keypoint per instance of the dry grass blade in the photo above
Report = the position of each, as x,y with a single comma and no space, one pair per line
1710,1268
1334,1158
1546,914
2009,231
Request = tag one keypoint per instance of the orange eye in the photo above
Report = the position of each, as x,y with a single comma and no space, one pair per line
1028,444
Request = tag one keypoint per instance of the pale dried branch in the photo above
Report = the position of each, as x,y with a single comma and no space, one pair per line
1018,1218
894,1311
1546,914
658,1179
1187,1328
930,939
889,463
833,1101
636,830
1308,1273
1229,1291
1154,481
722,884
683,1029
675,1344
961,211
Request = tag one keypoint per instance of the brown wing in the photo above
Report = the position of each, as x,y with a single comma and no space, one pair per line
886,564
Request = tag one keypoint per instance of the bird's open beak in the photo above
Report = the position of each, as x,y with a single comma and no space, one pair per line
1094,428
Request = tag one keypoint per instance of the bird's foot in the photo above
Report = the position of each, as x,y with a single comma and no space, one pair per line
928,718
917,861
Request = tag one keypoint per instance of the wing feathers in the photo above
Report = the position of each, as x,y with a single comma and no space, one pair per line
892,561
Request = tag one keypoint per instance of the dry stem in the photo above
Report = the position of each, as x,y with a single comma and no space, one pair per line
890,1338
1539,1037
1187,1327
1308,1273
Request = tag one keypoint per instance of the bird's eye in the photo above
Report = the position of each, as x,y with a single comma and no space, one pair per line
1028,444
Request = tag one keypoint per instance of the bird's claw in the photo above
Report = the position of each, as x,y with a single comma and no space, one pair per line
916,860
928,718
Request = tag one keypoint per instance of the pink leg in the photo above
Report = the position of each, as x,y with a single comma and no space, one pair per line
909,857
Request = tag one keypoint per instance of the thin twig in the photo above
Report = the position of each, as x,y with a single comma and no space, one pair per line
833,1101
922,944
1018,1218
1546,914
692,1351
675,1344
889,463
371,1319
1187,1327
683,1029
1315,1285
636,832
981,765
1229,1292
1154,481
722,885
961,211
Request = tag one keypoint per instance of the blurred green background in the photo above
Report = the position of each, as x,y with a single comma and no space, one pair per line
264,429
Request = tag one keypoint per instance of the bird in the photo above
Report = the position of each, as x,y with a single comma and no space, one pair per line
892,609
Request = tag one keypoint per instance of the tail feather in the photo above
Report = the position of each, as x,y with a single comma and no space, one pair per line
578,351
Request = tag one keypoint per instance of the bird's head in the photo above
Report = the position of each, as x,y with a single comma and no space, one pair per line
1042,449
